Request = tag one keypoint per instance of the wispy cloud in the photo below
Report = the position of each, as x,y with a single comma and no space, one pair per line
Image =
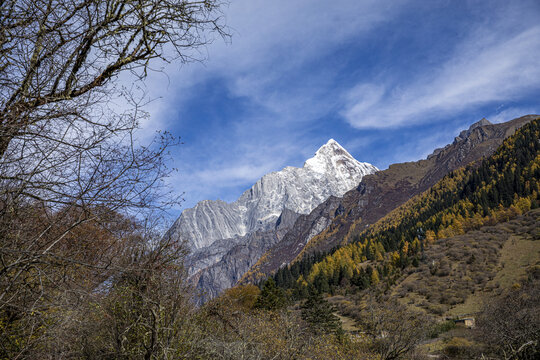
483,69
512,113
205,182
299,72
227,174
272,43
266,67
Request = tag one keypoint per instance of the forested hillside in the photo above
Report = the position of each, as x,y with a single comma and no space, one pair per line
338,220
499,188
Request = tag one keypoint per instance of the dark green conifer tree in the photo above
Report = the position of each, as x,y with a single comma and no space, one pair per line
271,297
321,283
319,314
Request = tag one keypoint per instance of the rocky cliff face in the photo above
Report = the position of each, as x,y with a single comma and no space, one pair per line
380,193
226,239
235,260
332,171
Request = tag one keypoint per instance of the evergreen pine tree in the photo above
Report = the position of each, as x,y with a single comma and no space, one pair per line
319,313
271,297
321,283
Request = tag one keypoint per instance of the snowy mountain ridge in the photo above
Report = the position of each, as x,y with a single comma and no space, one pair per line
332,171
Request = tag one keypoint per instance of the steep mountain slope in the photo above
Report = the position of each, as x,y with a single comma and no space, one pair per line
332,171
464,276
459,272
380,193
235,260
501,187
227,239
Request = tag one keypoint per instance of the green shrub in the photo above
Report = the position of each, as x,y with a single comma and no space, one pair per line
442,327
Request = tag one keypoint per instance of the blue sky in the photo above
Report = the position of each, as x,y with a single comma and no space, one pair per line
389,80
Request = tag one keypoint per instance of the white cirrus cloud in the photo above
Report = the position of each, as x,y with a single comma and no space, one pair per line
512,113
272,42
485,68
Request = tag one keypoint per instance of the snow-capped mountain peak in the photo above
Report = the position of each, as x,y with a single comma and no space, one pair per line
332,147
332,158
332,171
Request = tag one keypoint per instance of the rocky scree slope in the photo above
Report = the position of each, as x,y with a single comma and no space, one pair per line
338,219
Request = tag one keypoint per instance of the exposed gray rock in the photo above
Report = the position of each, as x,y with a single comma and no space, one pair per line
463,136
380,193
226,239
465,133
226,272
332,171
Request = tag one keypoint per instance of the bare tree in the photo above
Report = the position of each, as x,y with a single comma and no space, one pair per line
59,133
143,310
59,58
74,180
510,324
395,330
